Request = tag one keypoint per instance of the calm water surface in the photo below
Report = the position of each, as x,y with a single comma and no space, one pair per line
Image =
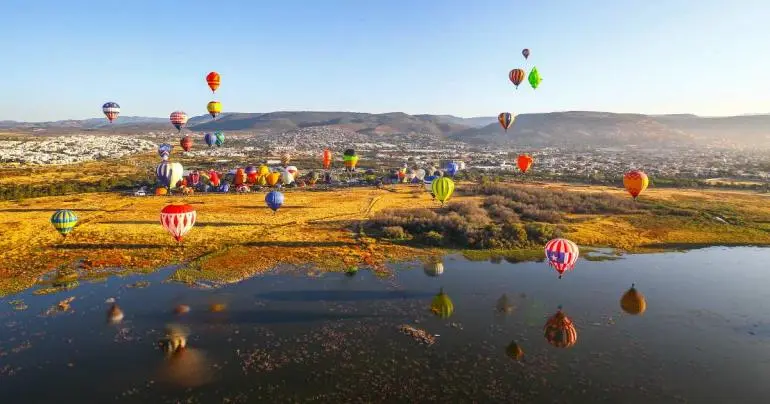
291,337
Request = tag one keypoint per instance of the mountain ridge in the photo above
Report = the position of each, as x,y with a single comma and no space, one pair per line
587,128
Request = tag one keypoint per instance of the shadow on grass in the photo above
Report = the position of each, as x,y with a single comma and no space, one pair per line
297,244
84,246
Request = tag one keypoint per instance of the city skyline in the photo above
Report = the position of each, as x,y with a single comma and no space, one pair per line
433,57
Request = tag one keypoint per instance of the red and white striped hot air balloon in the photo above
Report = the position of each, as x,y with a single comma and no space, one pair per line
561,254
178,219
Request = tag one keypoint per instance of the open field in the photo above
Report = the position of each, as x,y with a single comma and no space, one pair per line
236,235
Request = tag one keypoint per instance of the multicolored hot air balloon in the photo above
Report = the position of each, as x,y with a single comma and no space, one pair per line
219,138
274,200
111,110
560,331
186,143
635,182
561,254
350,158
251,174
64,220
163,173
506,120
164,150
292,170
524,162
516,76
213,80
442,188
214,108
214,178
209,139
525,53
452,168
285,159
194,178
534,78
327,159
178,219
178,119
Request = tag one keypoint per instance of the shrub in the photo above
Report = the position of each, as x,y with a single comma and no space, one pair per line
394,232
432,238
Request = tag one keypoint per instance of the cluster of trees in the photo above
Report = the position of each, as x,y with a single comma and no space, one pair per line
22,191
508,217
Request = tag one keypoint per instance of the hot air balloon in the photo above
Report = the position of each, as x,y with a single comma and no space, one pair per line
633,302
64,220
264,170
164,151
292,170
178,219
327,159
213,79
419,174
442,188
274,200
186,143
350,159
433,267
111,110
285,159
163,173
219,138
534,78
209,139
286,177
251,174
561,254
514,351
516,76
273,178
525,53
224,188
194,178
176,175
240,177
442,305
559,330
506,120
524,162
635,182
452,168
178,119
214,178
214,108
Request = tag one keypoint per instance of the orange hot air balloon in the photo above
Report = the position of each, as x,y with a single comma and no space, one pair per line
213,79
524,162
559,330
273,178
516,76
327,159
635,182
240,177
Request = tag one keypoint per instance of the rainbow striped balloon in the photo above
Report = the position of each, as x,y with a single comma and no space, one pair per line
64,221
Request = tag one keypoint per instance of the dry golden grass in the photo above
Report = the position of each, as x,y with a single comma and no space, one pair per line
236,235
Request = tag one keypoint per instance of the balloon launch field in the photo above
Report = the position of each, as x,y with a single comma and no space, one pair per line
236,235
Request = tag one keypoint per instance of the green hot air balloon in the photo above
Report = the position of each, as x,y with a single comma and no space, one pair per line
442,188
64,221
219,138
534,78
350,158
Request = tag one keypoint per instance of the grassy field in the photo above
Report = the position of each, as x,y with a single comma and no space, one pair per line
236,235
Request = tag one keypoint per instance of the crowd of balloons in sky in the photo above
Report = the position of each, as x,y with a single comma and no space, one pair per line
179,218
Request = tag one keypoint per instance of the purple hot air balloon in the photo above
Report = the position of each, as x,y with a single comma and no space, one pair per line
163,173
210,139
225,187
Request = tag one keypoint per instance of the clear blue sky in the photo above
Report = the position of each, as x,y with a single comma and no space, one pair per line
62,59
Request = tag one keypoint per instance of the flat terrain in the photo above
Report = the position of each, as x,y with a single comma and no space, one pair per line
236,235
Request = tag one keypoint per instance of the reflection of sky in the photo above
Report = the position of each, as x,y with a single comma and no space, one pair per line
708,317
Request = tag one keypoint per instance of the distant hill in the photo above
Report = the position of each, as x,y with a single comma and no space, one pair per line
582,128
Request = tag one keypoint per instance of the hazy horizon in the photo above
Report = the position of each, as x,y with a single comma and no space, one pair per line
433,57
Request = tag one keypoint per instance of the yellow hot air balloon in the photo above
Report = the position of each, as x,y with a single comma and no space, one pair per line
263,170
635,182
273,178
443,188
214,108
633,302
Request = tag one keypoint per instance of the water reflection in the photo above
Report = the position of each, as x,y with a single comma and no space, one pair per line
504,305
433,267
514,351
442,305
114,314
560,331
633,302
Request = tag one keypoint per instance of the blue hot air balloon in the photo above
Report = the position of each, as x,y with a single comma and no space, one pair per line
210,139
452,168
164,150
64,220
225,187
274,200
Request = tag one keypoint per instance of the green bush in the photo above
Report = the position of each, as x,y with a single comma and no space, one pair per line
432,238
394,232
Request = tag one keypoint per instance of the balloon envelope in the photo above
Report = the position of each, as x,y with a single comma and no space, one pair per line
64,220
178,219
274,200
111,110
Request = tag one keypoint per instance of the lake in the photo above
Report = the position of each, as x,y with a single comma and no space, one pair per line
296,335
